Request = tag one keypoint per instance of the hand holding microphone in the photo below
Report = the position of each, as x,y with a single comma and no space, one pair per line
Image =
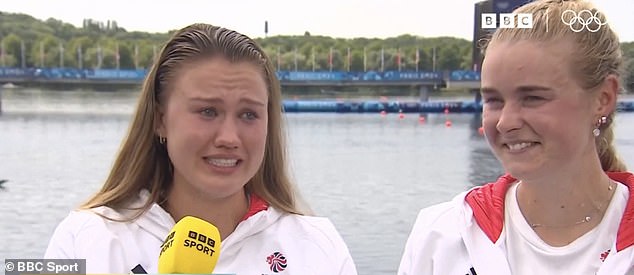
192,247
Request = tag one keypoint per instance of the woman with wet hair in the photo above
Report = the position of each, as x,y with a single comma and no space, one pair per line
206,140
565,204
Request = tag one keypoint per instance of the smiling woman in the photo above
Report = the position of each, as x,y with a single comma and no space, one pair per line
205,141
565,204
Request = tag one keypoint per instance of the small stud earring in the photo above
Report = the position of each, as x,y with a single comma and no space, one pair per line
162,140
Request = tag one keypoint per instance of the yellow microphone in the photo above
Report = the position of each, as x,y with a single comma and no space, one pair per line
192,247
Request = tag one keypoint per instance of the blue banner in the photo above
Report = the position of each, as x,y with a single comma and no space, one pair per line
464,76
284,76
15,72
116,74
339,76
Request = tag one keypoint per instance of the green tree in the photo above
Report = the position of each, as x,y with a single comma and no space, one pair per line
12,45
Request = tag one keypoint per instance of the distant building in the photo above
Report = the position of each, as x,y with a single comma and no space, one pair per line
479,34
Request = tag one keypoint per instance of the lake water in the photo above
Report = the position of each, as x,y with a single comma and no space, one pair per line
369,174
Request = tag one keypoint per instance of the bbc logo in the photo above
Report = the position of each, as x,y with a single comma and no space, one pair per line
507,20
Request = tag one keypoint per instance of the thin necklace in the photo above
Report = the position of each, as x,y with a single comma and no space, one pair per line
585,219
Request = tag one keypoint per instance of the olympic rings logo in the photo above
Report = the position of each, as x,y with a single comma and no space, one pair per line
585,19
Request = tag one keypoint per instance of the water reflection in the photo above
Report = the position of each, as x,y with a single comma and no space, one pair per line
370,174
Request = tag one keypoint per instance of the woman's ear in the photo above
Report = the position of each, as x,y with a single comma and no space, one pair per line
607,95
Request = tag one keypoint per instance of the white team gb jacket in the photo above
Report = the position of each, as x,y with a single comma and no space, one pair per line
268,242
464,236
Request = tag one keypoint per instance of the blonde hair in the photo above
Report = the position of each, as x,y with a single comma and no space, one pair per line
143,163
596,52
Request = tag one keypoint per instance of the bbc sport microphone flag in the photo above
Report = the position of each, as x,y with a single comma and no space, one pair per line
192,247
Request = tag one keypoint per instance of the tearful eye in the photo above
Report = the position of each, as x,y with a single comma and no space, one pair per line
208,112
249,115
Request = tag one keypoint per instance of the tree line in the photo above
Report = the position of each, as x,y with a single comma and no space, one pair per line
52,43
29,42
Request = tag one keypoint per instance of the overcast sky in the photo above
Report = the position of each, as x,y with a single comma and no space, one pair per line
336,18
